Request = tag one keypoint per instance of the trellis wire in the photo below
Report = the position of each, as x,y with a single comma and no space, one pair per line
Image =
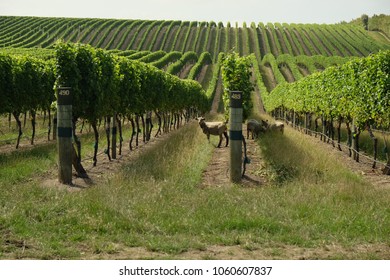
341,144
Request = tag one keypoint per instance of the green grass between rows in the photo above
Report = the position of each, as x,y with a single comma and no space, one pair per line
155,202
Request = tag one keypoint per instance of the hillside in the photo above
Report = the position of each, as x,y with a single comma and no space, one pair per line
144,35
166,194
284,52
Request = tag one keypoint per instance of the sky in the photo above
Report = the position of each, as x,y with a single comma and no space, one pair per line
282,11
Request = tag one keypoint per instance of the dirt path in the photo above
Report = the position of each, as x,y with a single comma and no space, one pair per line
272,43
185,70
276,252
202,74
269,81
217,97
303,69
286,72
217,174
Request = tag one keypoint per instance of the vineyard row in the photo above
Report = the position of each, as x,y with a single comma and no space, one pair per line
183,36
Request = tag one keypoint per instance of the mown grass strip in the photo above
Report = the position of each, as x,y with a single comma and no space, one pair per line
154,202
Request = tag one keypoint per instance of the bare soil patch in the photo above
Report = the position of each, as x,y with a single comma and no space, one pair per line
272,43
242,252
217,97
185,70
303,69
202,74
270,81
286,72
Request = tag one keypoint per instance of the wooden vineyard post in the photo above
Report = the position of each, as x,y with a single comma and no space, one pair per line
64,135
235,135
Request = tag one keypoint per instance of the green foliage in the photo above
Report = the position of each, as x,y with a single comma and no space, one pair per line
358,89
236,74
187,57
380,23
204,59
309,39
103,84
365,21
167,59
26,83
6,84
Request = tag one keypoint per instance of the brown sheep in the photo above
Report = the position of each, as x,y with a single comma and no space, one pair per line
214,128
255,128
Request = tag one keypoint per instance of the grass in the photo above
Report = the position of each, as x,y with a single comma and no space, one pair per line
330,202
154,202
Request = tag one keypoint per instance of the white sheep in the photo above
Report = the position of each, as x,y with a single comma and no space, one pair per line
214,128
277,126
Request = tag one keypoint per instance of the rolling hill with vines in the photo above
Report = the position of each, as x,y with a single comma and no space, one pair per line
153,201
284,52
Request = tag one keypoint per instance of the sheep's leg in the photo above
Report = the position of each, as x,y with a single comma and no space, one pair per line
220,141
226,137
247,133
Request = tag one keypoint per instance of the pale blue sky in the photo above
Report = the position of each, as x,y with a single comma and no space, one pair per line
297,11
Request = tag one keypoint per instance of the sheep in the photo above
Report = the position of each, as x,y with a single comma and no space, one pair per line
277,126
214,128
255,127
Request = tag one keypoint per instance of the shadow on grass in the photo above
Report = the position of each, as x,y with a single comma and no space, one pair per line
44,151
286,160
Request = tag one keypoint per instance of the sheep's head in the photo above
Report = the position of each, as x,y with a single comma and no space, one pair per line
201,120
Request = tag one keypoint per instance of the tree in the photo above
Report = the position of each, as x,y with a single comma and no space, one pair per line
364,18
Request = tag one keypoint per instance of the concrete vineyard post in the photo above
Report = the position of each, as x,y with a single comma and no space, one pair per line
64,135
235,135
